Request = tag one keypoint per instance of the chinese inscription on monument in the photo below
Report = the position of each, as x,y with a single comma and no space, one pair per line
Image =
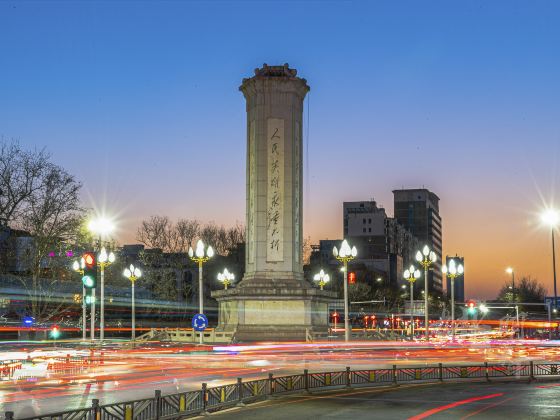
275,204
251,198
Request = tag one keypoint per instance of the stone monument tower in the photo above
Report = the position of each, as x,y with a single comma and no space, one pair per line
273,301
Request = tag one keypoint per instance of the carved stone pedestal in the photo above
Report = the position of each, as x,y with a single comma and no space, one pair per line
274,310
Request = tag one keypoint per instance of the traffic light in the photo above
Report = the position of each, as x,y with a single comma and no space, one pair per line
55,332
351,277
89,277
471,305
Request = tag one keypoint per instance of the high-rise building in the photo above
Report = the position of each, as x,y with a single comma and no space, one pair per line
418,211
384,245
459,281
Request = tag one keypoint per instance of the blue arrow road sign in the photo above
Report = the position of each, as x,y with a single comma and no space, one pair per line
199,322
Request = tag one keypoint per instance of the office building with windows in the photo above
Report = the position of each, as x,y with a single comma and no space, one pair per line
418,211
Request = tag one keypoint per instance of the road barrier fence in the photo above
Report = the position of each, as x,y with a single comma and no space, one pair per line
205,400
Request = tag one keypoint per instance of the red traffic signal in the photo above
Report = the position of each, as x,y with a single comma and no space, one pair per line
471,304
89,259
351,277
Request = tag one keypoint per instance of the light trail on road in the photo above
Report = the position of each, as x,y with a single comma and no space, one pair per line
118,374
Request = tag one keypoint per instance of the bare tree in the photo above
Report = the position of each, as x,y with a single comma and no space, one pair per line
53,217
527,289
235,236
22,174
307,249
187,232
158,232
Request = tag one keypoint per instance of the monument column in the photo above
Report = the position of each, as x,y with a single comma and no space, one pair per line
274,301
274,99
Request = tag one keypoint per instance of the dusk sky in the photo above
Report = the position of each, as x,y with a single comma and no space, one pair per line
140,101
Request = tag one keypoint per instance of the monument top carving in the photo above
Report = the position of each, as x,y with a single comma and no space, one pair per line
275,71
279,73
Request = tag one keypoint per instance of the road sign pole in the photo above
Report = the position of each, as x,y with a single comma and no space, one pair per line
199,323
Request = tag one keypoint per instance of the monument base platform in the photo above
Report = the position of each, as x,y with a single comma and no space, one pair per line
278,310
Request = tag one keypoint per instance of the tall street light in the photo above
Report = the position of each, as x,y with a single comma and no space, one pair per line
551,217
510,270
344,255
200,256
103,260
411,275
321,278
226,278
133,273
426,258
102,227
452,270
79,268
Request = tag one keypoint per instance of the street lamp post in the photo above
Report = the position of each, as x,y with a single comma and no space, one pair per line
411,275
322,278
551,217
103,260
510,270
101,227
79,268
452,270
426,258
200,256
132,273
226,278
344,255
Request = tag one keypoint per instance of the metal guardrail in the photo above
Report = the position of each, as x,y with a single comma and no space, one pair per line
190,403
8,368
187,335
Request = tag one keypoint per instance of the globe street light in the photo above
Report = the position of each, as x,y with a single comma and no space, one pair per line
226,278
79,268
551,217
426,258
200,256
411,275
322,278
133,273
344,255
510,270
452,270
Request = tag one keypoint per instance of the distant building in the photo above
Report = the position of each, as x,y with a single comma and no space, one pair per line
174,269
16,250
418,211
384,245
459,282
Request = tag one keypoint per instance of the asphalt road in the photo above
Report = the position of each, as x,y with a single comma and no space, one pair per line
508,400
134,374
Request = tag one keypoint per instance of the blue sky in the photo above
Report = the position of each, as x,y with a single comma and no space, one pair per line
140,101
